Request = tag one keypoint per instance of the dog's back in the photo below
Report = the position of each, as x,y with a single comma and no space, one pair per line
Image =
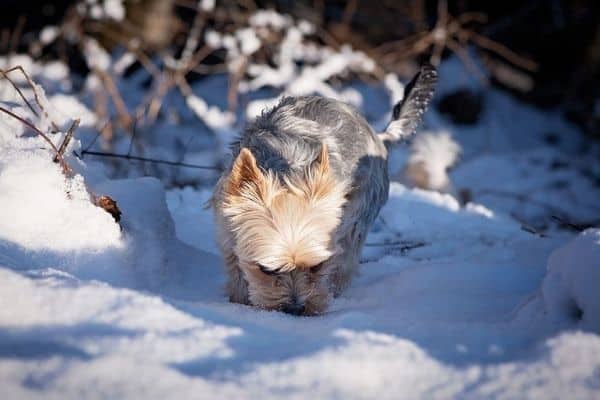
287,138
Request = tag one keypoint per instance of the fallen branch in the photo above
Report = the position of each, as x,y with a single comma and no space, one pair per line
151,160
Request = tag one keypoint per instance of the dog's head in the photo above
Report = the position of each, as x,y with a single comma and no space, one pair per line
284,230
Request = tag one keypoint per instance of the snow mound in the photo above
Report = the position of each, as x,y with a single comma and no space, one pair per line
48,218
570,289
431,155
45,216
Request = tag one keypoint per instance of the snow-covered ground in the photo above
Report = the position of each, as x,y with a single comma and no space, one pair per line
452,301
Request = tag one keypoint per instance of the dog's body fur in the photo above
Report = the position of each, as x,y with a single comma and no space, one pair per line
293,211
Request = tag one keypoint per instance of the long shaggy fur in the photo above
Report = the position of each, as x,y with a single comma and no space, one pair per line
293,210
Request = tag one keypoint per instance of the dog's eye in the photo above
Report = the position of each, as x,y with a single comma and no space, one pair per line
317,268
266,270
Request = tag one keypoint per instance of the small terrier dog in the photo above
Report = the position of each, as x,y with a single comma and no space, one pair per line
307,181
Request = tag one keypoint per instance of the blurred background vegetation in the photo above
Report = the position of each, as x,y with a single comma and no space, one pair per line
547,52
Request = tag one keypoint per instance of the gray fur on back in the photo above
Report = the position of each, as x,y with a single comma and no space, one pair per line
288,138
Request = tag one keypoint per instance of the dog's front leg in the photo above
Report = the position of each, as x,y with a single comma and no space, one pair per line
236,286
348,260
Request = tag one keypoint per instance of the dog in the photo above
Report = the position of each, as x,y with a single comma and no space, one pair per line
306,183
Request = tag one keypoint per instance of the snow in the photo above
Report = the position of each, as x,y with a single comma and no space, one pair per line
206,5
96,56
434,153
569,290
212,116
48,34
453,301
264,18
249,42
212,38
114,9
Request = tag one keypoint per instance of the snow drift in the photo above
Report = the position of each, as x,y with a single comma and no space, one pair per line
453,301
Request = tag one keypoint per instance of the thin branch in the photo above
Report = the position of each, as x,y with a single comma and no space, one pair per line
142,57
151,160
36,95
117,99
42,134
18,90
16,34
67,139
133,133
192,40
463,55
349,12
503,51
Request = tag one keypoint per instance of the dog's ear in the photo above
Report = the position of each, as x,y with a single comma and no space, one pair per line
320,166
244,173
320,182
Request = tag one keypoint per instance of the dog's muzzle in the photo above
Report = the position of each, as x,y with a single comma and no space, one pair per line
294,308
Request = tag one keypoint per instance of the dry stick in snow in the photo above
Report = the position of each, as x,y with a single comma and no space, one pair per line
36,95
66,140
151,160
18,90
63,163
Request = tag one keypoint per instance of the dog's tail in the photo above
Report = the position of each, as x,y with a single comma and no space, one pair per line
408,112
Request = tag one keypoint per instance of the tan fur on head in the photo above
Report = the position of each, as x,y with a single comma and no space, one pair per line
283,225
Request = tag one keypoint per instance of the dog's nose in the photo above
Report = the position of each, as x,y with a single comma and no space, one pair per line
294,308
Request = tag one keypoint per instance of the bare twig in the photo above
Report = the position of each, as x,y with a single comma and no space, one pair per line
18,90
502,51
133,133
16,34
192,40
349,12
4,39
67,139
234,82
36,95
449,32
59,156
151,160
124,118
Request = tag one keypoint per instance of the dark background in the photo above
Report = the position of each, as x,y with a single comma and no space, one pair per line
562,37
